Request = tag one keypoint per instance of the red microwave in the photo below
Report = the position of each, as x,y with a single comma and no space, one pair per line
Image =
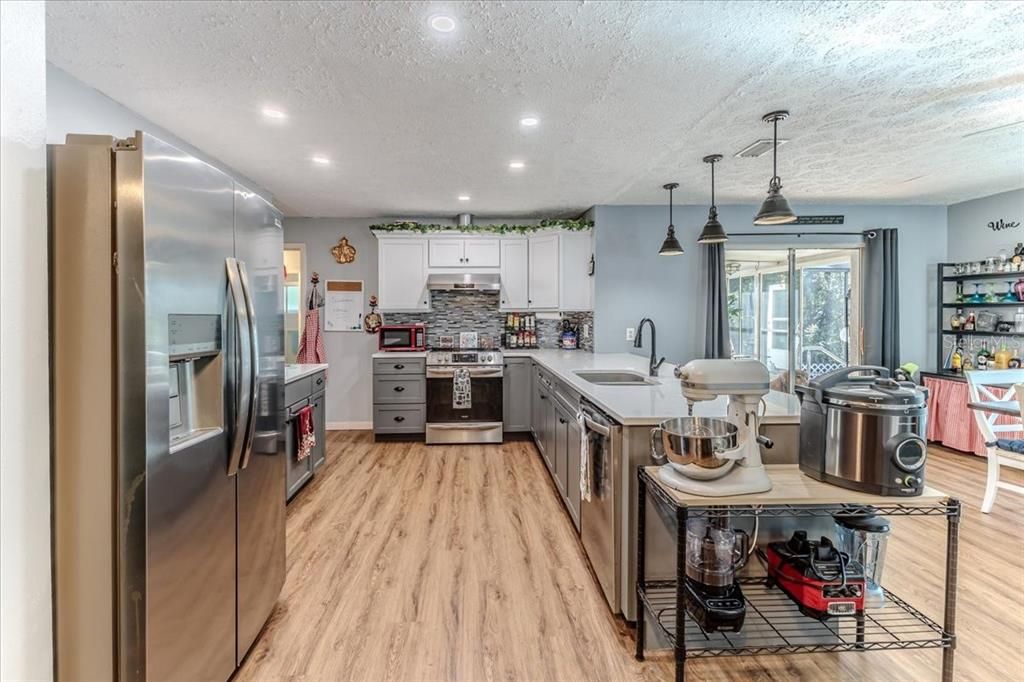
395,337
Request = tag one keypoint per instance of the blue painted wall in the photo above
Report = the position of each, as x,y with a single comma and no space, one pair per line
633,281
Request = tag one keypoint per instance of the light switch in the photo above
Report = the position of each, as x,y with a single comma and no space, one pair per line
630,333
586,331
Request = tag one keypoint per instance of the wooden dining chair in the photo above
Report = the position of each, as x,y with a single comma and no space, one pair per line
990,386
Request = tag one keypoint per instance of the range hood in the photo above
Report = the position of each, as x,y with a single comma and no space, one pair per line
461,281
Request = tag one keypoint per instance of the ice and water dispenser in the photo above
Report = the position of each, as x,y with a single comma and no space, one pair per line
196,378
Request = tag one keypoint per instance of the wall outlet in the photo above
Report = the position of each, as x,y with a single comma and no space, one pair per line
586,331
630,333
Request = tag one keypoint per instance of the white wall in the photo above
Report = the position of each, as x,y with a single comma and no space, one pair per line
74,107
25,618
970,238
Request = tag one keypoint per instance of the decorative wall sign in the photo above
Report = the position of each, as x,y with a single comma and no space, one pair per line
819,220
344,252
343,311
997,225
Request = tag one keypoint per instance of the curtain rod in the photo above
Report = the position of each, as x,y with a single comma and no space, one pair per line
866,233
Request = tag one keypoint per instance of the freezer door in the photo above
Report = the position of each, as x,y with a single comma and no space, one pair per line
259,248
173,238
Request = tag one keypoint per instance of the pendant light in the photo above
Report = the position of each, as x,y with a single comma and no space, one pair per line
671,245
713,232
775,210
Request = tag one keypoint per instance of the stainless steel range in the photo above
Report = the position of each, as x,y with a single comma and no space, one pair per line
464,396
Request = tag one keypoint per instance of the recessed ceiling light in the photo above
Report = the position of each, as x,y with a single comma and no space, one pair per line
463,197
528,122
442,23
321,160
276,114
516,164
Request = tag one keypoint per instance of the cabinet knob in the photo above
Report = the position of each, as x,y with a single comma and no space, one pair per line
399,366
319,381
399,418
399,389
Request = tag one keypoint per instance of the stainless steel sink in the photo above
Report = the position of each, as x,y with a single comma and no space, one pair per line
614,377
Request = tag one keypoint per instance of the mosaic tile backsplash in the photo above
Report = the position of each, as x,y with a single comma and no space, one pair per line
460,311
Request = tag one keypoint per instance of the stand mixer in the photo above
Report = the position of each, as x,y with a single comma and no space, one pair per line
715,457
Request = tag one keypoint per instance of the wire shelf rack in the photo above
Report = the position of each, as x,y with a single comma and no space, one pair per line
775,625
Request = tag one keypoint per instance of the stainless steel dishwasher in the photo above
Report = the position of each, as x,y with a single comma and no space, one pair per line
600,517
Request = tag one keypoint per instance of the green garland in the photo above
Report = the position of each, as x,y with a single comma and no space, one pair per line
408,226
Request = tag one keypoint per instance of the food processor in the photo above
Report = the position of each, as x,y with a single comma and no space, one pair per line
714,553
863,538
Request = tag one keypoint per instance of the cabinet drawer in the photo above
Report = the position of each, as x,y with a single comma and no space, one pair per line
399,418
396,388
399,366
296,390
318,382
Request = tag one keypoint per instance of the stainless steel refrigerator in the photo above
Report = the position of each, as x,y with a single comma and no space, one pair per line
167,351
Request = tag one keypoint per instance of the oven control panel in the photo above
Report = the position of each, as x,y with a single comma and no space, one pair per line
465,357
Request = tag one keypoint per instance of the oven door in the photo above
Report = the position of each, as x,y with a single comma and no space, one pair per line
486,396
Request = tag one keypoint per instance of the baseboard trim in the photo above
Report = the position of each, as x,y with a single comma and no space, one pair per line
349,426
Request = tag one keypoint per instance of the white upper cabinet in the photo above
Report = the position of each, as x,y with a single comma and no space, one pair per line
576,286
482,253
543,272
474,253
514,279
402,273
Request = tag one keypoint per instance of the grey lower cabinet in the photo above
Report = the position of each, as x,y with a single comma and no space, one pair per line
557,436
516,399
306,391
399,396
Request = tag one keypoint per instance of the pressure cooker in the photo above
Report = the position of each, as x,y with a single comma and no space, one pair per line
863,430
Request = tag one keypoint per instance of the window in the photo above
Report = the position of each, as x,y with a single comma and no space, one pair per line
825,295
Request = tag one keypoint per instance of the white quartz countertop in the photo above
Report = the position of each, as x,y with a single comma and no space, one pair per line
642,405
645,405
295,372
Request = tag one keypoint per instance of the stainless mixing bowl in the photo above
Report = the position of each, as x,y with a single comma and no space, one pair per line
693,441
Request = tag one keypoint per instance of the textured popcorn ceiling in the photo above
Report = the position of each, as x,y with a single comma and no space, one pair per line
630,96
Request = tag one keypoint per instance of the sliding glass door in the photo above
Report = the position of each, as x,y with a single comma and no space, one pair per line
822,289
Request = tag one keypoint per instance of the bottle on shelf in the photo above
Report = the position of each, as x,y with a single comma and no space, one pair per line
1001,359
968,324
956,361
1018,321
956,320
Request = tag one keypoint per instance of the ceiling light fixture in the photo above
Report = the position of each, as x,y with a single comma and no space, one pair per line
528,122
775,210
671,245
321,160
463,197
713,232
516,165
276,114
442,23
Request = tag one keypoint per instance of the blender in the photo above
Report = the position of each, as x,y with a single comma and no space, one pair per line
714,553
862,536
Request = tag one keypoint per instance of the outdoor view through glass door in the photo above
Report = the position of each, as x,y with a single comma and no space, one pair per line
825,294
294,270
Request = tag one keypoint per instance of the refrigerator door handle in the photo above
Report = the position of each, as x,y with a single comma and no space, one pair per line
243,362
254,366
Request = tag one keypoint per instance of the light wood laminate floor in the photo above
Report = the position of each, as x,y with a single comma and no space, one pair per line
408,562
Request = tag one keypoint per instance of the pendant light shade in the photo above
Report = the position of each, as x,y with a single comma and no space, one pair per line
671,245
713,232
775,210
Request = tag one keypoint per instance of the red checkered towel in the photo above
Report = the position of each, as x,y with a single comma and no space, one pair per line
304,433
311,346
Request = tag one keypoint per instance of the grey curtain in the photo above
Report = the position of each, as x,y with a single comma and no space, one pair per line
716,328
881,303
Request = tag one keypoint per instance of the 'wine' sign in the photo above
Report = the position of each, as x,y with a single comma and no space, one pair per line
999,225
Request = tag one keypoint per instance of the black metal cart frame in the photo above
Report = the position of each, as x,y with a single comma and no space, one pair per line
774,624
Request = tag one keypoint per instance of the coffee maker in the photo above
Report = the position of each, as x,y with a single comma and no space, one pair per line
714,554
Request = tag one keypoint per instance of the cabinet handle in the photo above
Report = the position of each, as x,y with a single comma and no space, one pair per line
399,366
319,381
399,389
399,418
561,421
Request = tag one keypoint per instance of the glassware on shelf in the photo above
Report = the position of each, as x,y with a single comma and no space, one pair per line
978,297
1018,289
960,269
1010,296
975,268
990,296
990,264
1002,261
